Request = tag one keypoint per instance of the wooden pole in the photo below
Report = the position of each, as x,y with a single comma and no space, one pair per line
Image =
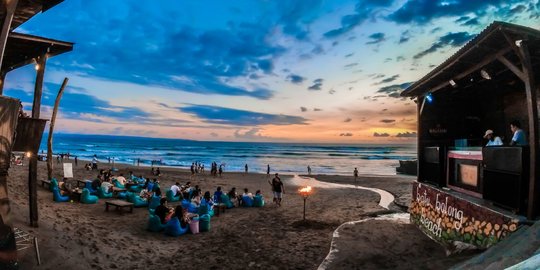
32,167
11,6
2,79
51,129
533,104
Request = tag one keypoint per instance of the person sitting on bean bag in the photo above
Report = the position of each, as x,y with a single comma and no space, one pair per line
258,199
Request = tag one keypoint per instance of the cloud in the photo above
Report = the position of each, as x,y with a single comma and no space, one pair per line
405,36
394,90
296,79
303,109
376,38
213,134
406,135
317,84
387,80
451,39
363,11
347,120
295,17
251,134
388,121
424,11
317,110
332,91
228,116
349,55
381,134
350,65
347,134
400,58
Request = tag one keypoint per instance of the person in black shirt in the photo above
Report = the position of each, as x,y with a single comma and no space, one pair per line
277,188
162,210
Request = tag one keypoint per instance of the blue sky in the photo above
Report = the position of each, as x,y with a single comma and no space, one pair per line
318,71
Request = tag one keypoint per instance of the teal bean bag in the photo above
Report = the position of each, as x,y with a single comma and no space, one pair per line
193,209
247,201
258,201
225,199
102,193
171,197
57,197
117,184
154,202
204,223
135,189
54,184
203,209
87,198
136,200
154,224
173,227
122,195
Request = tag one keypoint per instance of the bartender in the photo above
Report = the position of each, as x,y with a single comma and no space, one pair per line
519,136
492,139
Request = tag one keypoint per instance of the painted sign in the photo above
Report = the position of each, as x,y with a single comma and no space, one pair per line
447,218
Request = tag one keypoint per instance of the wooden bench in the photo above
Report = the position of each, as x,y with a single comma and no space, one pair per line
46,182
119,204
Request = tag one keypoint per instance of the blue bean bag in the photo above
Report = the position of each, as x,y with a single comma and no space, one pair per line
136,200
192,208
54,184
154,202
122,195
135,189
185,204
173,227
88,185
150,186
247,201
204,223
171,197
102,193
258,201
154,224
225,199
57,197
87,198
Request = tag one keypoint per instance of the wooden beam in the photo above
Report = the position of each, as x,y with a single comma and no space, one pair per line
488,59
32,167
11,6
512,67
2,79
533,104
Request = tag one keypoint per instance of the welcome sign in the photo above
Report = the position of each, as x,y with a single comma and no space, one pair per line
447,218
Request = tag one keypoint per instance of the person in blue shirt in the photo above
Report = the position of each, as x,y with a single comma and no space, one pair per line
519,136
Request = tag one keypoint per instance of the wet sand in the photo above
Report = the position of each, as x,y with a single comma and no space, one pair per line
78,236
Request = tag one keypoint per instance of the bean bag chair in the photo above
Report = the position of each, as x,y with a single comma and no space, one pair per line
136,200
156,186
206,208
117,184
150,186
57,197
54,184
185,204
87,198
154,202
122,195
154,224
247,201
135,189
102,193
204,223
173,227
192,208
258,201
171,197
225,199
88,185
194,225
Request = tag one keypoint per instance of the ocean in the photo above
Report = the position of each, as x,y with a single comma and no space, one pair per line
282,157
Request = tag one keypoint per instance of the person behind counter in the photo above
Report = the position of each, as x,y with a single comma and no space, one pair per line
492,139
519,136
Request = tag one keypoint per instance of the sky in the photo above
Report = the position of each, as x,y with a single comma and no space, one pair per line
284,71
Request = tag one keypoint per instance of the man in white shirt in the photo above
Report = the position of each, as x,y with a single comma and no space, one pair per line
492,139
176,189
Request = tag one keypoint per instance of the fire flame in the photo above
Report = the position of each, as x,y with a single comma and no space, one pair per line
305,190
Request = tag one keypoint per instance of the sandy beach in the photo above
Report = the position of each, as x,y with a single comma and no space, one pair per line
78,236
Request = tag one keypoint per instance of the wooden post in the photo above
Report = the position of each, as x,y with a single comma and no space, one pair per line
2,79
533,104
51,129
11,6
32,167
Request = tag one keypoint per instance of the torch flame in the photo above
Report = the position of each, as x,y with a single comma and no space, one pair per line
305,190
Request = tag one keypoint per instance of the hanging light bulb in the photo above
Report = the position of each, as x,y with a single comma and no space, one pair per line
429,98
37,67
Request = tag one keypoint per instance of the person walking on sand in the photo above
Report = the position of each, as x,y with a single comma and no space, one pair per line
355,175
308,170
277,189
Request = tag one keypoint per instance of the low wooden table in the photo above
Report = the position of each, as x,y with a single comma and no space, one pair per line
83,182
46,182
119,205
220,207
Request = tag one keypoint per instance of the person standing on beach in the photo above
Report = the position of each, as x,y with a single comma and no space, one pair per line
277,189
355,174
268,170
246,168
76,161
94,162
308,170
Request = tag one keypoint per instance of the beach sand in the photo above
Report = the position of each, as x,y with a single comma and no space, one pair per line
78,236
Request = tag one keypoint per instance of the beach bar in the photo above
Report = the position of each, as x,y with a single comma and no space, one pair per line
19,132
465,191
